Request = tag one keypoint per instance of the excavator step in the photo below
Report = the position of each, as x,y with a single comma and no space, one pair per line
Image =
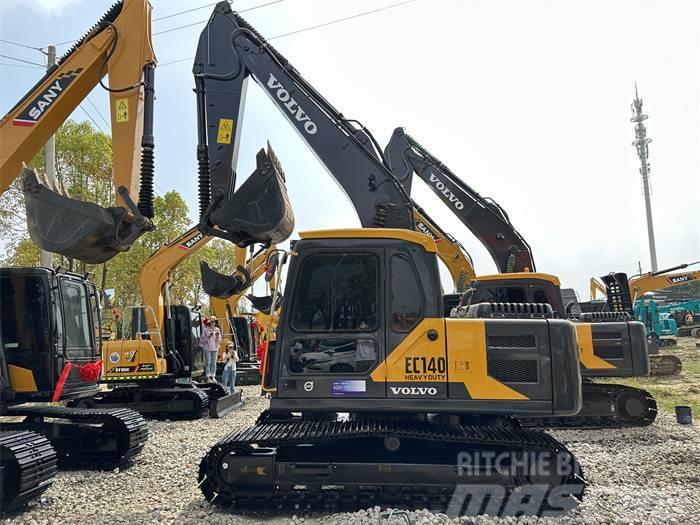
27,467
605,406
83,437
348,465
177,402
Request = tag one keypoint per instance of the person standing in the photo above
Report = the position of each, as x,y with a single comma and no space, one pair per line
211,339
230,360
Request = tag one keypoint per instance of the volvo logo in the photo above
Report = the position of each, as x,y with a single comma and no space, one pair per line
451,197
309,386
292,105
414,390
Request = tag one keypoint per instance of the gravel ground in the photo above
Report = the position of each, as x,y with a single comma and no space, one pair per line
649,475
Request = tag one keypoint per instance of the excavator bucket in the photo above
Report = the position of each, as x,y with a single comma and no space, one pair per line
222,286
264,303
259,211
618,292
77,229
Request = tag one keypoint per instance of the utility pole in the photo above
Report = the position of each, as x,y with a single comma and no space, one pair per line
642,145
49,159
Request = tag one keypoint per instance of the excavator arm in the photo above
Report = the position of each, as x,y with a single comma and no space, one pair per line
119,45
641,284
157,270
482,215
449,250
231,52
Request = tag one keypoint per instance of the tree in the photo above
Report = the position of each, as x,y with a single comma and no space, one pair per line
170,222
83,169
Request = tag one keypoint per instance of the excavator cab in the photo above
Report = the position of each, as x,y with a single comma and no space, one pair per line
259,212
49,319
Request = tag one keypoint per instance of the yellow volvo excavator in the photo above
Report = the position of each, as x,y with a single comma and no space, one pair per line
48,347
611,345
362,332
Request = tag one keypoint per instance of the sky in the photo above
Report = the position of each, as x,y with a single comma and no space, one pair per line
527,102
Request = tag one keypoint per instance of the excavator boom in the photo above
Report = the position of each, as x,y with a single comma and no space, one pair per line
482,215
119,45
221,74
449,250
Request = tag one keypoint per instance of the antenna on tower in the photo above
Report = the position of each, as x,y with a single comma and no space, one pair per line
641,143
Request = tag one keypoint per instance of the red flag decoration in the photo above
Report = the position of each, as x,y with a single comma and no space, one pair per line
89,372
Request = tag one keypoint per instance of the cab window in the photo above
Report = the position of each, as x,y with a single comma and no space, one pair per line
332,356
337,292
406,295
24,322
76,314
500,294
539,295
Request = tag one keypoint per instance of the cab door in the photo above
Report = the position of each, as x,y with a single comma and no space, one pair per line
416,363
333,336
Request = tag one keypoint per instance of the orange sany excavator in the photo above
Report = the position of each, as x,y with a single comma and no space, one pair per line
50,350
119,45
156,364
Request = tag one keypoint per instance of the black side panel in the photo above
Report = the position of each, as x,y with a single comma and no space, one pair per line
622,344
518,355
640,350
566,382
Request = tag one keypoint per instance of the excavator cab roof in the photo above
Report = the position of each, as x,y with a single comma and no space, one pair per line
520,275
373,233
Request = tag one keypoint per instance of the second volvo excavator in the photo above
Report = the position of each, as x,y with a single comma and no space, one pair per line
362,333
611,345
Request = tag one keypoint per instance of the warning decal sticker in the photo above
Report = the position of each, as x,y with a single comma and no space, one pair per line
225,130
122,109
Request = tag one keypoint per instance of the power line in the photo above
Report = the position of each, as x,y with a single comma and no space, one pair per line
183,12
99,113
19,45
22,60
341,19
90,117
204,21
303,29
20,65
